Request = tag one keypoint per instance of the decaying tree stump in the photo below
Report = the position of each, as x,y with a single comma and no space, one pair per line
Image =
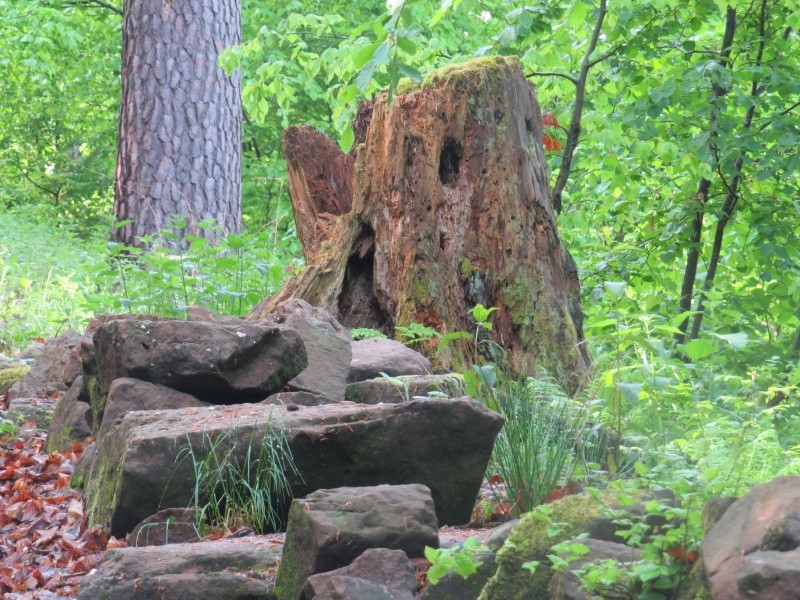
451,207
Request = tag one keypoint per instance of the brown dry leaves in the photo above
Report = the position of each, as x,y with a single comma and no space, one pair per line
45,546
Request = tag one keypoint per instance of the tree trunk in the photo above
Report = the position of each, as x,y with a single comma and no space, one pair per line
452,208
180,124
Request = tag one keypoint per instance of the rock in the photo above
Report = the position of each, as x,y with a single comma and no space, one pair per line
215,363
328,529
11,372
454,585
742,530
402,388
784,535
530,541
770,574
298,399
55,368
327,345
135,468
566,585
201,313
71,420
714,508
168,526
354,588
388,568
38,410
374,356
228,569
127,394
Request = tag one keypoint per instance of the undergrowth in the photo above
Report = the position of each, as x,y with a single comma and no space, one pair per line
51,279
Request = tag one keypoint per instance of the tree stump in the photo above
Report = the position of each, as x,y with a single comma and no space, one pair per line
451,207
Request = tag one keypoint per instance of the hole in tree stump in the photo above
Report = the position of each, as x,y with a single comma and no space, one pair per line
358,306
450,162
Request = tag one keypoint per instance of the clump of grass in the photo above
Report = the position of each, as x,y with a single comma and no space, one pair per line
241,482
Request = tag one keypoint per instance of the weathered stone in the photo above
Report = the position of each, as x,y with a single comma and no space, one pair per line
784,534
327,345
11,372
141,464
201,313
402,388
298,399
454,585
328,529
565,585
770,574
38,410
215,363
714,508
71,420
127,394
54,370
168,526
388,568
741,531
374,356
354,588
230,569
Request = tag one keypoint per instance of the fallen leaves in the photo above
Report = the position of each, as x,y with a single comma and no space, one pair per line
45,546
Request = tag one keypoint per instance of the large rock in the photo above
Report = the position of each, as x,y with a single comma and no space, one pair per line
327,345
54,369
168,526
127,394
328,529
72,420
771,574
403,387
216,363
374,356
231,569
390,569
746,526
141,464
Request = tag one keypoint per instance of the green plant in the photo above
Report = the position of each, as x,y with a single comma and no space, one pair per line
365,333
7,428
241,481
463,559
403,385
415,333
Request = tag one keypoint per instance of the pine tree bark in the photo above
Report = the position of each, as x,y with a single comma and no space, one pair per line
451,208
180,126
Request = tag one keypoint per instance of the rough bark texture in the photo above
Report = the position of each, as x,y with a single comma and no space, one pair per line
451,208
180,131
320,183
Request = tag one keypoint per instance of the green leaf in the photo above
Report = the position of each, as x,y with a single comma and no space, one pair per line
697,349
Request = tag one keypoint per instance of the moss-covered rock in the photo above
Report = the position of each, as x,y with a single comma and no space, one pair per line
530,541
10,374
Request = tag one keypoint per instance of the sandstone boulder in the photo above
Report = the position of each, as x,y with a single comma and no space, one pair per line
746,526
72,420
216,363
54,369
374,356
127,394
390,569
328,529
327,346
142,463
402,388
229,569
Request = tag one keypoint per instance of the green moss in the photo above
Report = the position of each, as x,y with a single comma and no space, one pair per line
466,268
60,442
455,72
529,541
11,375
97,400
